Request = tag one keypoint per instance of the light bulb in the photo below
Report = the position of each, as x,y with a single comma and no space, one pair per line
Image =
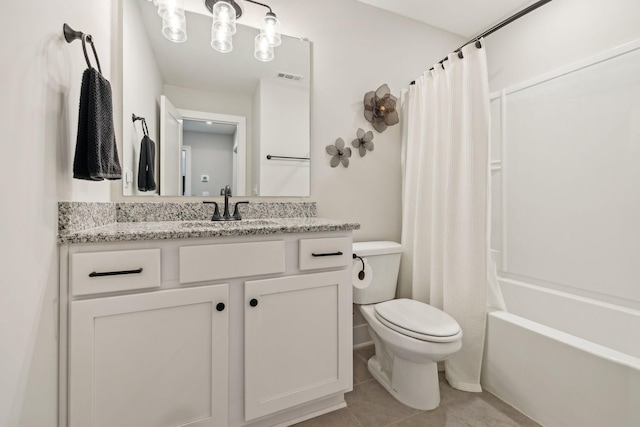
170,7
224,15
263,51
221,38
271,29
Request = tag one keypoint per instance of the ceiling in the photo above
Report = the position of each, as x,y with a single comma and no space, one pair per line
466,18
208,127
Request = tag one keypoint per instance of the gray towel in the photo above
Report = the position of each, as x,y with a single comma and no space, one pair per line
146,181
96,155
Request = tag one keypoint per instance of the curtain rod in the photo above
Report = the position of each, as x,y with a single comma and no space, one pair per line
498,26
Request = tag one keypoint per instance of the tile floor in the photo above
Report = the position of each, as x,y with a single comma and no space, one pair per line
369,405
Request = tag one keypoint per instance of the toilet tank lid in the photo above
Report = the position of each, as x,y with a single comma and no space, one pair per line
376,248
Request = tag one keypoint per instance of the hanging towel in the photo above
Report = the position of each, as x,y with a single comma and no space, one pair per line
96,156
146,164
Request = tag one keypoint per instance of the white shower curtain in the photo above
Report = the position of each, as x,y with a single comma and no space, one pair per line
446,222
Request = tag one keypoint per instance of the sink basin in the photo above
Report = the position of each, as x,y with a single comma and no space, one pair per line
242,222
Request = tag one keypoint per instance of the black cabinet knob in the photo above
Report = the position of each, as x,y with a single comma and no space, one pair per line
220,306
253,302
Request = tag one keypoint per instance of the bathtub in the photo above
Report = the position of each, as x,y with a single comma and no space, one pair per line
564,360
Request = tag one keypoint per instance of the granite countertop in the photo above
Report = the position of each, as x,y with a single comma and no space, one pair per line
160,230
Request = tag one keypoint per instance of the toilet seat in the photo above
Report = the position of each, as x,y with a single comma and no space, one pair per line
418,320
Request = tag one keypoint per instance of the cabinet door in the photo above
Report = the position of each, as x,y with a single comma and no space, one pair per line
155,359
297,340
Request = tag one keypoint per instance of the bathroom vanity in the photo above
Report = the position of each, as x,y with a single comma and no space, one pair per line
205,324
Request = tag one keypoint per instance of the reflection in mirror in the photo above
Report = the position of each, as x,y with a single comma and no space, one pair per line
209,149
179,87
207,157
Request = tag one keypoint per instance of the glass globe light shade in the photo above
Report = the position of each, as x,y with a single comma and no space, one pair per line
221,38
263,51
271,29
170,7
174,28
224,15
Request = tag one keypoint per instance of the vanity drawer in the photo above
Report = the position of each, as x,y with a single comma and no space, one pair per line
98,272
324,253
223,261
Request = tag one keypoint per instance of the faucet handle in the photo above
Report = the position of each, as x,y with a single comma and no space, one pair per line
216,211
236,212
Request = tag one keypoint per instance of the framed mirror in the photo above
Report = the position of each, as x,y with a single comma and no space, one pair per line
216,118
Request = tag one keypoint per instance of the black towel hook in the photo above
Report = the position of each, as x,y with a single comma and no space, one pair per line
70,35
145,129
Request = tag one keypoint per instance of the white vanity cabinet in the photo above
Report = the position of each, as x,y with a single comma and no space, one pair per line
216,332
150,359
294,337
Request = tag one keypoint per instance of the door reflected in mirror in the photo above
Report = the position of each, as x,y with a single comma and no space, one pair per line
256,109
210,150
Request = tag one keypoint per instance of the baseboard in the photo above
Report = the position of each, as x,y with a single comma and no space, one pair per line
361,334
362,345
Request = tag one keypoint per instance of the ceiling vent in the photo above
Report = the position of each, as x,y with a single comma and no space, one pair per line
289,76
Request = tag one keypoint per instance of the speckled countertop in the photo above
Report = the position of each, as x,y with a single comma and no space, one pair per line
126,231
113,231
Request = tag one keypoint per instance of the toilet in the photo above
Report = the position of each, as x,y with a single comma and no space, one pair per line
410,337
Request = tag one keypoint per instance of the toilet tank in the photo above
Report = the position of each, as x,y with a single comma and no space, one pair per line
384,260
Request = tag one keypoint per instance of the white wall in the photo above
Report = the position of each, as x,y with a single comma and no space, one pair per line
211,154
40,85
558,34
284,131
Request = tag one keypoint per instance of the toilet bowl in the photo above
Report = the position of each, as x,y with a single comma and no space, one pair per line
410,337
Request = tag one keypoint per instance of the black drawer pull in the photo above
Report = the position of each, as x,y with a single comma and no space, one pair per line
220,306
115,273
327,254
253,302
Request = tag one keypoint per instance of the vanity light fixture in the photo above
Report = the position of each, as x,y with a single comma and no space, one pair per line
226,12
223,27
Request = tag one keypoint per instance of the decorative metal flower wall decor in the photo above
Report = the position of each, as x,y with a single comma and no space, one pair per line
340,153
380,108
363,142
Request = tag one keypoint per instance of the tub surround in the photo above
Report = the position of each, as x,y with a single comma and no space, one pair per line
81,222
